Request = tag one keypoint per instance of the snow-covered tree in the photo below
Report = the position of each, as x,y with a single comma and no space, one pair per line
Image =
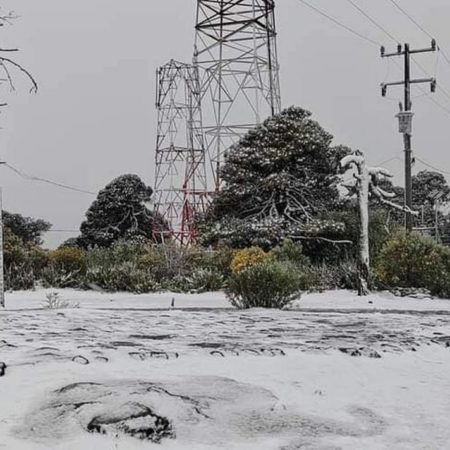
431,191
119,212
426,184
366,183
26,228
278,178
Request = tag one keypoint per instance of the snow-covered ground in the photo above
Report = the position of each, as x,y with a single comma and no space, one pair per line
329,300
335,372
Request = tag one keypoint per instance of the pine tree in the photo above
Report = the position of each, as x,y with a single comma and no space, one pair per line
119,212
279,177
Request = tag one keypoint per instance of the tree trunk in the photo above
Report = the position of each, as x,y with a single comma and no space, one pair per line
364,255
2,275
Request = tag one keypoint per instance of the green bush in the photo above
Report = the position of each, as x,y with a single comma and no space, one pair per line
343,275
291,251
24,262
119,252
66,268
222,258
414,261
265,285
201,280
125,277
69,260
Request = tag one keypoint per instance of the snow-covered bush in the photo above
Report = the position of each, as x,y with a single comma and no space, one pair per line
411,260
167,262
265,285
119,252
126,276
119,268
222,258
201,280
24,262
341,275
68,259
66,268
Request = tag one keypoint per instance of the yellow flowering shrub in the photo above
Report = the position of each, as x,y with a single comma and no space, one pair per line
249,257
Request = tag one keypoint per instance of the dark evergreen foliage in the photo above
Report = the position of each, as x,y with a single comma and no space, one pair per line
277,180
426,185
29,230
119,212
287,163
427,188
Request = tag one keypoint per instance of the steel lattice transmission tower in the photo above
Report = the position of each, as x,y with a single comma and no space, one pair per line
180,178
236,52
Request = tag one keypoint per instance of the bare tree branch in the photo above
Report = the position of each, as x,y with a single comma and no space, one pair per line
4,61
317,238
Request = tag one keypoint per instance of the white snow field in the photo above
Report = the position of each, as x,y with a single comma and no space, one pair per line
129,372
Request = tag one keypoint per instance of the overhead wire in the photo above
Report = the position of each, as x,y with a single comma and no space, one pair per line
411,18
391,36
394,158
421,28
372,41
372,20
433,100
47,181
62,231
431,166
424,71
338,23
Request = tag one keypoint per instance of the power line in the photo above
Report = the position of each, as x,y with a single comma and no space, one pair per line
411,18
44,180
391,36
418,25
405,118
372,20
340,24
438,86
440,105
62,231
431,166
433,100
394,158
371,41
427,94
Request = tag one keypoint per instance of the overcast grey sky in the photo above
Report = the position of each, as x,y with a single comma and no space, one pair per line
94,118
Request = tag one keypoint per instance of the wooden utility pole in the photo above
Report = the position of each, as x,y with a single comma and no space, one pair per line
405,116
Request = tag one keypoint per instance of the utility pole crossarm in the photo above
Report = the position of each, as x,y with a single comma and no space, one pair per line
400,51
432,81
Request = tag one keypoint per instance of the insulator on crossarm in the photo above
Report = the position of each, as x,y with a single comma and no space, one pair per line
433,86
